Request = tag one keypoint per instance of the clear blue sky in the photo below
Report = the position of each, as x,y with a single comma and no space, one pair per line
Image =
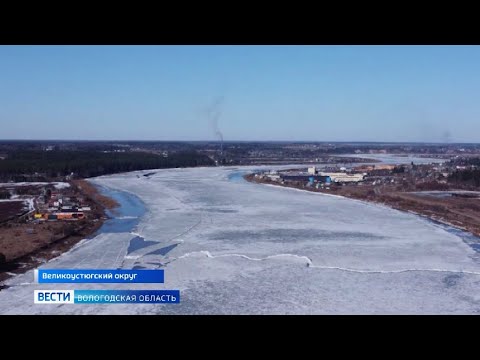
312,93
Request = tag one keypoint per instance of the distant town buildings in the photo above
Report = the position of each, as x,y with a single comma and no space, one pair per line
376,174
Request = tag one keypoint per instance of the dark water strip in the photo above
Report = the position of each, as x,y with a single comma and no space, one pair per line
126,216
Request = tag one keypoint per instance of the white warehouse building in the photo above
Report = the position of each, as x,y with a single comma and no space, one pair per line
342,177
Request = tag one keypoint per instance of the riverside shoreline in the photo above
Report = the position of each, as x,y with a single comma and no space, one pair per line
50,239
460,213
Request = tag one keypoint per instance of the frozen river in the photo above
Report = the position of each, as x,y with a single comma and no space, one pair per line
397,158
233,247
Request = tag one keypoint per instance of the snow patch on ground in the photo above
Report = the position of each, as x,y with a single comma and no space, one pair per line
57,185
30,203
61,185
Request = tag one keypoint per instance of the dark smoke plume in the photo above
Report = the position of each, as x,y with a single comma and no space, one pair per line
213,112
447,136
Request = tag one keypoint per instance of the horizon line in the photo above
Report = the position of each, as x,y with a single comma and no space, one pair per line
244,141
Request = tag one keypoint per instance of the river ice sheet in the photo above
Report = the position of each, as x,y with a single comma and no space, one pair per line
233,247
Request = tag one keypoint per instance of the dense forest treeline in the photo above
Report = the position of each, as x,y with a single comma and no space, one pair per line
465,177
45,165
467,161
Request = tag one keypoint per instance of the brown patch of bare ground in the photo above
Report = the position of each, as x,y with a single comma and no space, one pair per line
24,246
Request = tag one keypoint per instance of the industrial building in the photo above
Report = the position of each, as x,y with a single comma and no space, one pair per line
367,168
312,176
309,178
340,177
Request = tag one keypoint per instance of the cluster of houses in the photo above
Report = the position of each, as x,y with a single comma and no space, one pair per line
60,206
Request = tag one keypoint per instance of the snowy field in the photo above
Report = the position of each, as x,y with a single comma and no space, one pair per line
56,185
233,247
